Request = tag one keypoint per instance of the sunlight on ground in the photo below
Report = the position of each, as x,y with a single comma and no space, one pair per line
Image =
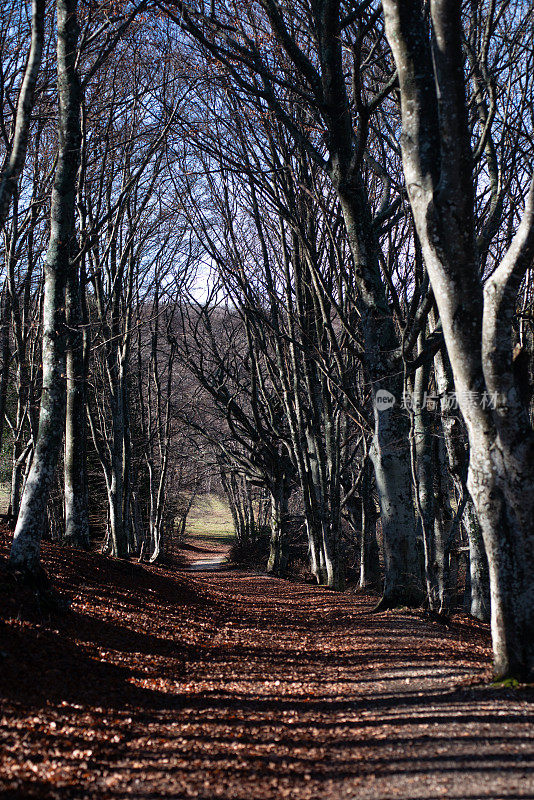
210,517
4,497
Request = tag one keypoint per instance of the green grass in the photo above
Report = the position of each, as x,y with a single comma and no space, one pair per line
5,491
210,518
506,683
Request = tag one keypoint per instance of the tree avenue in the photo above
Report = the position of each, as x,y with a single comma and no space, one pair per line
280,254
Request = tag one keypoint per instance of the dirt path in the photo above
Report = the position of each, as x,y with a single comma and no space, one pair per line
227,685
205,555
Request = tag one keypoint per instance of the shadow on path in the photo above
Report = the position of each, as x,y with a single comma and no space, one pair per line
212,683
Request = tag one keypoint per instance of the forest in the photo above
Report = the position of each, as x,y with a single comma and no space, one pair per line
267,399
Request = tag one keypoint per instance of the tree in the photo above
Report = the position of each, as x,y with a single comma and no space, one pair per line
476,318
26,542
60,262
15,158
306,67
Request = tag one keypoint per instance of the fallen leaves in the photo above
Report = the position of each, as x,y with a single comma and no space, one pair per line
236,686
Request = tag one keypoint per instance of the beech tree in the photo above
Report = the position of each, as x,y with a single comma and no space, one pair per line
279,239
25,549
18,144
476,317
59,265
307,66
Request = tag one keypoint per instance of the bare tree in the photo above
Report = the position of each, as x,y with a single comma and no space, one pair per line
476,319
26,542
307,69
15,157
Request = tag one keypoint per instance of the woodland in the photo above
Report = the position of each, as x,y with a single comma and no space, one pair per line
275,258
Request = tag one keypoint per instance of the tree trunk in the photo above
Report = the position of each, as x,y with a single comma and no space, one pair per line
390,458
325,514
390,452
445,528
455,441
15,163
369,560
119,545
423,475
26,542
116,487
20,452
18,472
476,324
76,489
277,562
5,349
479,591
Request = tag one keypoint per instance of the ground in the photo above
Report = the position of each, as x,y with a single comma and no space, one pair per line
210,518
231,685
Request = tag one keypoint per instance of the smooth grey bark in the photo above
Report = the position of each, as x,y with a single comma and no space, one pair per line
127,472
158,424
513,452
238,493
15,163
112,467
117,364
24,337
457,454
157,504
113,450
278,555
445,527
76,486
369,572
314,417
319,478
323,513
324,76
423,469
19,320
26,542
437,161
479,591
390,450
115,487
402,578
22,449
19,471
5,350
113,454
115,310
